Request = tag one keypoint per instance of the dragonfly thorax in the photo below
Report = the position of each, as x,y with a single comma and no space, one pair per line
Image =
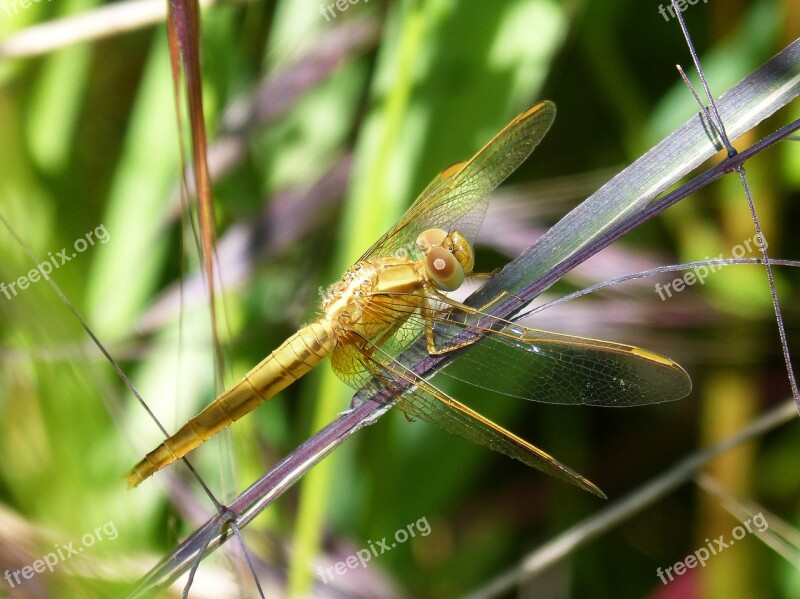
373,296
343,297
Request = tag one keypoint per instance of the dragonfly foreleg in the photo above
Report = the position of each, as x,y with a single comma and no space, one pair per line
453,305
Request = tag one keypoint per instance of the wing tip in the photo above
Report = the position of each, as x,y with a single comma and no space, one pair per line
544,107
588,485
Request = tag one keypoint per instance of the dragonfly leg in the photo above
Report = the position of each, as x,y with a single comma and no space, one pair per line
368,348
430,339
483,275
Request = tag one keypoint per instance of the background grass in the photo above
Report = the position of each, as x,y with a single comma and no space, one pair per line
87,138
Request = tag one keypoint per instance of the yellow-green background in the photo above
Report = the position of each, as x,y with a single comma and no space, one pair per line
88,137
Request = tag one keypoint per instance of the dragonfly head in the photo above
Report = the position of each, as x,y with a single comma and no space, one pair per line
448,257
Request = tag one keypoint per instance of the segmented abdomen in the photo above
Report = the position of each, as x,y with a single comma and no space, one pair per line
295,357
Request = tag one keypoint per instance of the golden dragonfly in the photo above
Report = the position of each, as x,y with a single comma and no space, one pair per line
396,293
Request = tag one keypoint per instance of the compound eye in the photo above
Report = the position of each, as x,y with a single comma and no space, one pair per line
431,238
443,269
463,251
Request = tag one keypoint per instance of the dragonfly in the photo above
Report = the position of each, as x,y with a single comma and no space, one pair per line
396,293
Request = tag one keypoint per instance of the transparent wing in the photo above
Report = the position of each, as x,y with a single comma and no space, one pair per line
402,330
348,364
442,178
457,198
554,368
431,405
514,360
549,367
424,401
